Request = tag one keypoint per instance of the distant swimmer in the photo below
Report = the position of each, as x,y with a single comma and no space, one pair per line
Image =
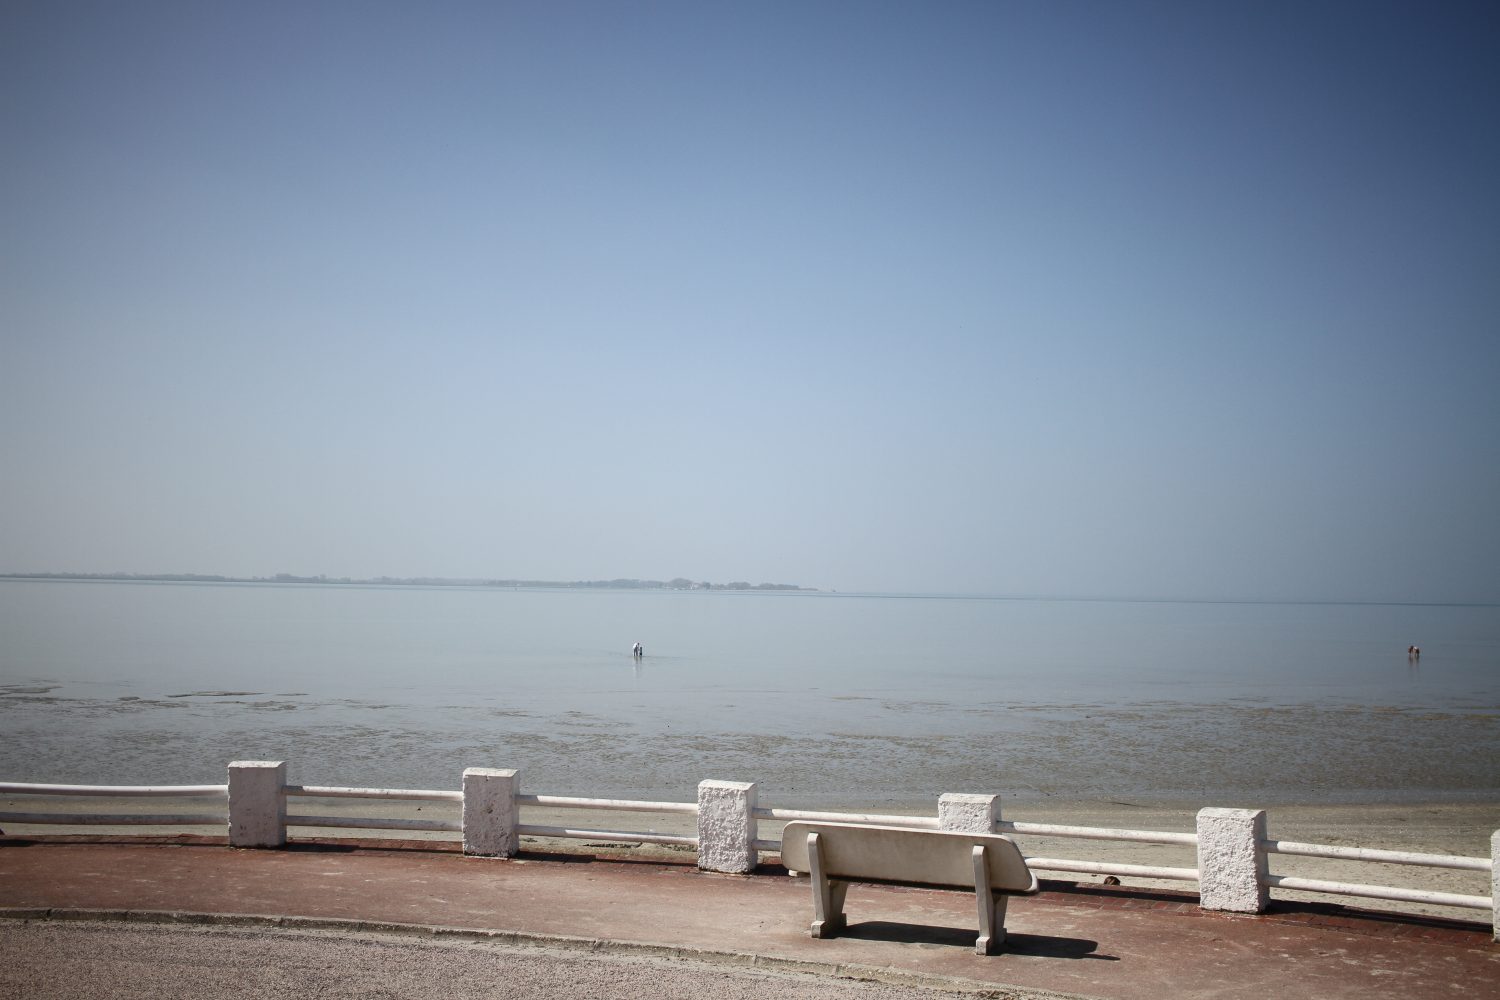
1413,653
637,650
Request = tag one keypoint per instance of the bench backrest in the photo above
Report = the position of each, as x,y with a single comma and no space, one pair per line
894,854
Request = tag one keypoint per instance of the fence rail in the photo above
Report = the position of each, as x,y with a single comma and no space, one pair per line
218,794
117,791
867,819
113,819
1383,857
1112,868
336,792
564,832
1374,856
621,805
402,824
728,826
615,805
376,823
1380,892
1099,833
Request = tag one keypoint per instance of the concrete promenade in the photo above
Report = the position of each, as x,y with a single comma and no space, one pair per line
1088,940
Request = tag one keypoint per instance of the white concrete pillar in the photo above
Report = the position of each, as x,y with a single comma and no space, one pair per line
726,827
1495,882
965,813
1231,864
491,817
257,803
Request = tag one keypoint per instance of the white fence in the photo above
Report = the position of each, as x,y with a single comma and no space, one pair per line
1390,858
215,794
1231,846
373,822
1099,833
620,805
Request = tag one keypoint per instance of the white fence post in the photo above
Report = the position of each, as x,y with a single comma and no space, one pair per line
257,803
1231,863
1495,883
965,813
726,827
491,818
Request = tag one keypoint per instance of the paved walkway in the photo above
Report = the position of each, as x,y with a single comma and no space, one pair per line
1094,941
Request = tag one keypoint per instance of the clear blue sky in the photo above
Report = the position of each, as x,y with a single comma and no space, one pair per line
1128,299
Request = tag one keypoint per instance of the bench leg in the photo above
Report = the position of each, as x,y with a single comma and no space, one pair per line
989,942
828,895
991,906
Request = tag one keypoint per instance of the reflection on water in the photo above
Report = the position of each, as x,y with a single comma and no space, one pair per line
822,700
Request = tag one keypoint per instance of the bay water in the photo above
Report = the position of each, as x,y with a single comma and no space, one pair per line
826,700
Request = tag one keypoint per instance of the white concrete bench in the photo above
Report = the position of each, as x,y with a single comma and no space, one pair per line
835,854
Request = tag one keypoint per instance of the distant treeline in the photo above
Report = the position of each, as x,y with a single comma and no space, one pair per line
680,583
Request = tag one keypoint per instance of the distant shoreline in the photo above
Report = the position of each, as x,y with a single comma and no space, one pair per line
679,583
682,584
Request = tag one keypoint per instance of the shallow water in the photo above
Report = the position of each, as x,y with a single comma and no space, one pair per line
821,698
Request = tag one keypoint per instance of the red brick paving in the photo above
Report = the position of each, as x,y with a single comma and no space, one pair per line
1094,940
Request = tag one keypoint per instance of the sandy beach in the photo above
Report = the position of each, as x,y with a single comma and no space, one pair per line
1443,828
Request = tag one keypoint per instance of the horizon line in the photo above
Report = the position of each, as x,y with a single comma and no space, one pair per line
623,583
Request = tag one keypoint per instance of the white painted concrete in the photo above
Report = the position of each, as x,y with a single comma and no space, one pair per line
961,812
1231,864
491,817
1495,882
257,803
726,827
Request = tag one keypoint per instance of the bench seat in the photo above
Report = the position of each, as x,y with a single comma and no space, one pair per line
836,854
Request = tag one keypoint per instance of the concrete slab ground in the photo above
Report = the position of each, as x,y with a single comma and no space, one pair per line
1093,941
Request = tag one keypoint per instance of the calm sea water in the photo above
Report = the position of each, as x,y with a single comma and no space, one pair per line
822,698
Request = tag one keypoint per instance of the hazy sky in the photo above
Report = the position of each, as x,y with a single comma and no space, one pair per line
1127,299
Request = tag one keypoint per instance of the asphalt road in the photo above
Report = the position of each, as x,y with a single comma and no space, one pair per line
63,960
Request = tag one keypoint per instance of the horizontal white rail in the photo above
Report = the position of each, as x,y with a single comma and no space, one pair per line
337,792
1042,829
1454,861
867,819
1378,892
619,805
376,823
117,791
452,826
266,800
1108,868
119,819
1098,833
564,832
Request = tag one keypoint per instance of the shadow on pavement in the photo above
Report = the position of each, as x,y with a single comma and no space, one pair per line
1040,946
